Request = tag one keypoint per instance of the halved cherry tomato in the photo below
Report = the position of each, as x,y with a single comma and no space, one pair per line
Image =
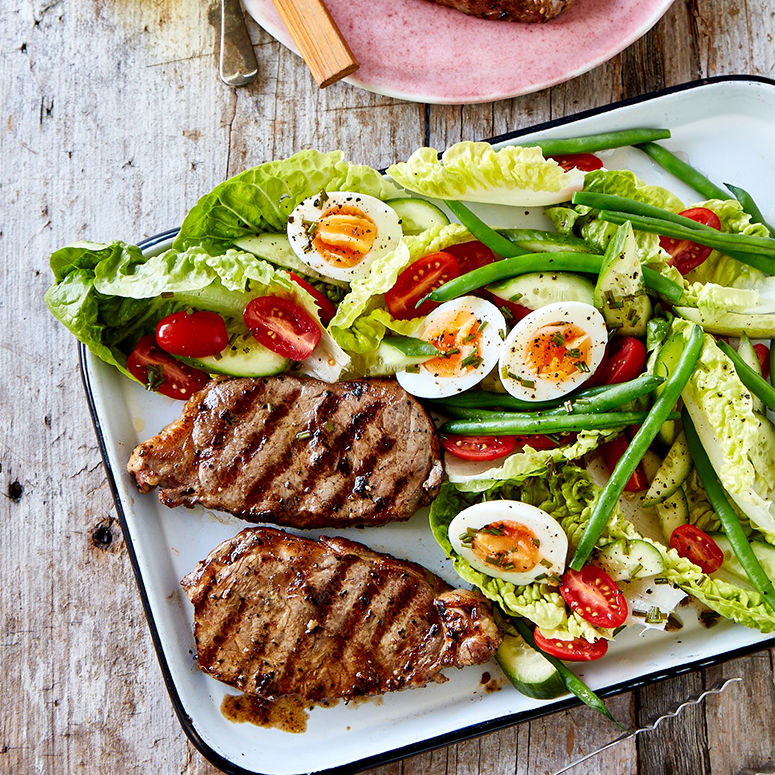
698,547
576,650
479,447
594,596
471,255
324,304
625,360
763,354
157,370
282,327
539,441
686,255
196,335
612,451
586,162
512,311
417,281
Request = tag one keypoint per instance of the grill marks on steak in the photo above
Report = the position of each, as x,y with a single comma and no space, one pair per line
276,614
296,452
510,10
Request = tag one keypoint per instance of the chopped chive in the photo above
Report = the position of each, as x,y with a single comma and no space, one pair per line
302,435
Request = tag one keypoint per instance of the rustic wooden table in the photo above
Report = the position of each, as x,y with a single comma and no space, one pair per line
114,123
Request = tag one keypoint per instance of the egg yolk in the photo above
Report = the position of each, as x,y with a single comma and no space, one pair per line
457,333
344,235
510,546
558,351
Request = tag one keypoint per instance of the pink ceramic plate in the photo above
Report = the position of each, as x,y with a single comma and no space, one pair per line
417,50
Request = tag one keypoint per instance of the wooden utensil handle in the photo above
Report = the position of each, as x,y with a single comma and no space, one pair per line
318,39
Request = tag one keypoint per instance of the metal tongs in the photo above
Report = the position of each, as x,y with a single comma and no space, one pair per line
693,700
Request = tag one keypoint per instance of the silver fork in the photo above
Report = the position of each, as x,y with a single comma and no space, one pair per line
693,700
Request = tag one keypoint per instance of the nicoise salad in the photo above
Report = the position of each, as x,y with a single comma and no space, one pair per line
598,369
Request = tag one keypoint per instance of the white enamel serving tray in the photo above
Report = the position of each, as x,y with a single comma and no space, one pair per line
726,128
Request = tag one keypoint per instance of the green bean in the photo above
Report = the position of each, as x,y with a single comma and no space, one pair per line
616,395
572,682
749,206
726,514
683,171
411,346
753,381
641,441
484,233
541,241
482,399
730,244
705,235
599,142
523,423
544,262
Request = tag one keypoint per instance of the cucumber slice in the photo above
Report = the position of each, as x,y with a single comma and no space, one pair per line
666,361
537,289
417,215
748,354
620,292
529,671
630,559
758,326
244,357
672,512
673,472
764,552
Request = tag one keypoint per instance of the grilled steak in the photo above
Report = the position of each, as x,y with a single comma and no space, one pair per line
276,614
296,452
510,10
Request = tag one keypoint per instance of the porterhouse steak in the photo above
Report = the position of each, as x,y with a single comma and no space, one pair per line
296,452
510,10
276,614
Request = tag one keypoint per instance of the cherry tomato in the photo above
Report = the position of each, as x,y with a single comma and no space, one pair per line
586,162
512,311
539,441
576,650
196,335
479,447
159,371
417,281
282,327
763,354
471,255
624,360
612,451
324,304
686,255
698,547
594,596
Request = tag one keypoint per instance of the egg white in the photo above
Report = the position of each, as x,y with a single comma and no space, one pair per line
422,382
310,211
521,380
553,543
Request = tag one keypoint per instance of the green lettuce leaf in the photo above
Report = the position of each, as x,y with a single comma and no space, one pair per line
739,443
361,317
477,172
261,199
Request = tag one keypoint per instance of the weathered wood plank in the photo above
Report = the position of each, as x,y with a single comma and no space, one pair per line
114,123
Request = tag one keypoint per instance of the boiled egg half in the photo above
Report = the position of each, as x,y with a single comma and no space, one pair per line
468,333
510,540
553,350
340,234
